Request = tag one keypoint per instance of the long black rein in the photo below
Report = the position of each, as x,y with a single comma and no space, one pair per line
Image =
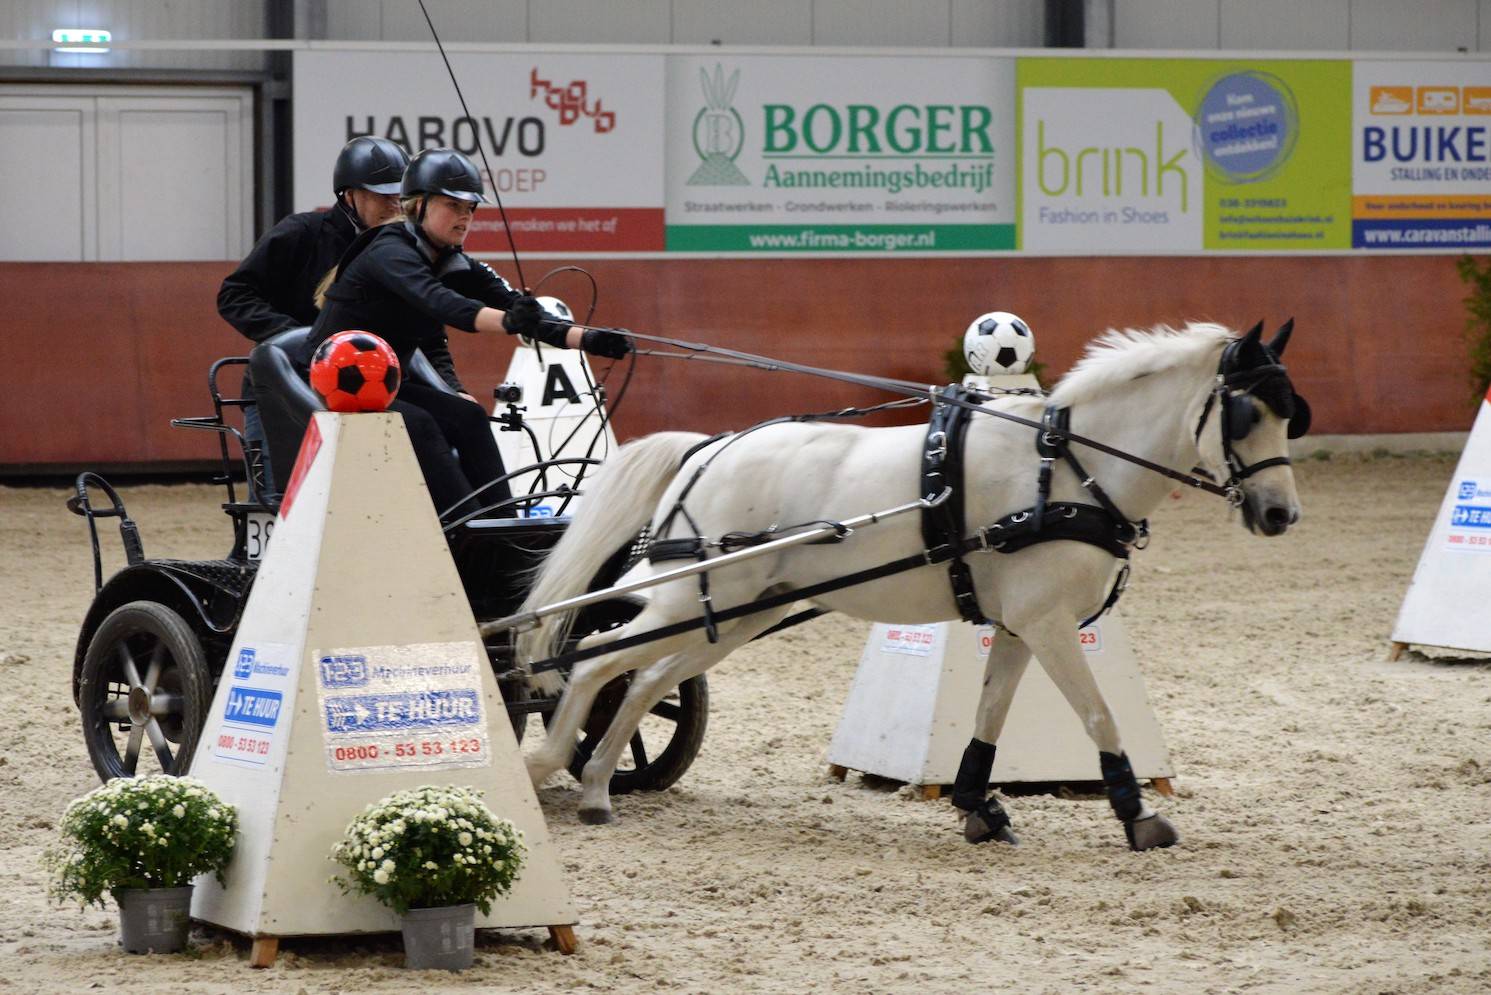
911,389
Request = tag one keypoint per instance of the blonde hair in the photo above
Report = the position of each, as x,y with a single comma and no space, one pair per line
326,281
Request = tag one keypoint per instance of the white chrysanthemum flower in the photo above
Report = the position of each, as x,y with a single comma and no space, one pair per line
120,820
377,852
178,810
381,876
464,839
430,865
388,865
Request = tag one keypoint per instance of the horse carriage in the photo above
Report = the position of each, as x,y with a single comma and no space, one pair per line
155,640
1051,556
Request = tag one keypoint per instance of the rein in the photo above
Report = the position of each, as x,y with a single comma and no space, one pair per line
1051,434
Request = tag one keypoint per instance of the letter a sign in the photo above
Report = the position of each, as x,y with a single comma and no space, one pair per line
565,415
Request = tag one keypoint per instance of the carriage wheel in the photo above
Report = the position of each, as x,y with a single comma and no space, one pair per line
144,692
664,745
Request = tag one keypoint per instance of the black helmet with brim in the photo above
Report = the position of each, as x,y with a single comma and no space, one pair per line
444,171
370,163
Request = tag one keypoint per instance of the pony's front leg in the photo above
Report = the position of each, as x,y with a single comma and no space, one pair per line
1053,639
985,819
649,686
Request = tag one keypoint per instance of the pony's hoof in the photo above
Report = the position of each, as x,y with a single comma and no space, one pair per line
1150,832
596,816
982,826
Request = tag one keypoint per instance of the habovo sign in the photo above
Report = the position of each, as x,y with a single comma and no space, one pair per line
574,140
1422,158
840,154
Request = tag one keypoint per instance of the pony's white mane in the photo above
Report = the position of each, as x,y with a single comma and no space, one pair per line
1121,355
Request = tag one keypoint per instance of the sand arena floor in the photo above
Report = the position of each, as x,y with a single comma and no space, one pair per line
1335,807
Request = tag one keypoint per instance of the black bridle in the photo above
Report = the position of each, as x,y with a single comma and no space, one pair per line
1240,385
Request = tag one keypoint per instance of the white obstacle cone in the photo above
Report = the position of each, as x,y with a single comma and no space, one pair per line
1446,602
357,671
910,711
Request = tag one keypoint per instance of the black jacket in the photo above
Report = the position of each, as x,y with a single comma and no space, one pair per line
396,285
275,286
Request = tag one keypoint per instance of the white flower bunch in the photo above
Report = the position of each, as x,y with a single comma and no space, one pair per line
144,832
430,847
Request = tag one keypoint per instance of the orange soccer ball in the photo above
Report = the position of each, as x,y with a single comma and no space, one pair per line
355,371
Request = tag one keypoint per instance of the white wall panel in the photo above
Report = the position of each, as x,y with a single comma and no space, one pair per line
638,22
1011,24
47,160
353,20
1426,26
498,21
1485,21
1323,25
762,22
1166,23
136,19
920,23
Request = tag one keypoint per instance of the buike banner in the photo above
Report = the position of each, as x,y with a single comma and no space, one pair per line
574,140
1422,167
1180,155
837,153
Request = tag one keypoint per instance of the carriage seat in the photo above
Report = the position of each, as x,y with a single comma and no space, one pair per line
286,401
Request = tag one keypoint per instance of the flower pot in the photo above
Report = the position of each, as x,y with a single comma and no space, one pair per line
440,939
154,920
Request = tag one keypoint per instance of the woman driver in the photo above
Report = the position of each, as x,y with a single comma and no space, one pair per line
406,282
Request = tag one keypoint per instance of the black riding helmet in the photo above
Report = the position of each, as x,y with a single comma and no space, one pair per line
368,163
444,171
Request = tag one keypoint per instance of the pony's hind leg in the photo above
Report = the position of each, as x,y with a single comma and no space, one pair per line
649,686
984,818
1053,639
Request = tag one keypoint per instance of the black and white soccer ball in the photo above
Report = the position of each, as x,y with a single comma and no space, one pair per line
998,344
557,308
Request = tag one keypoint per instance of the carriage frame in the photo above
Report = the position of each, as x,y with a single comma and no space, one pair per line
181,616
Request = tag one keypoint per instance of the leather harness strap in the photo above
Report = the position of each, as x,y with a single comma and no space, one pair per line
942,523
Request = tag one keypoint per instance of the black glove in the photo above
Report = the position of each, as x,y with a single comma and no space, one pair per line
608,343
523,315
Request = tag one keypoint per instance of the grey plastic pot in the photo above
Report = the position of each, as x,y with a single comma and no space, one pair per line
440,939
154,920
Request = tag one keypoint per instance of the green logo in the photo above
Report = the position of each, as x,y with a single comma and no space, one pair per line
719,133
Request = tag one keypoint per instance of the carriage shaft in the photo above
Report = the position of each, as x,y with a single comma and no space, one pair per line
527,620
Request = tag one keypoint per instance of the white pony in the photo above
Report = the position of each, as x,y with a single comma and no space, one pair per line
1159,395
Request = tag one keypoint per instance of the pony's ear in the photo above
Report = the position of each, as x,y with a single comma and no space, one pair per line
1254,334
1281,338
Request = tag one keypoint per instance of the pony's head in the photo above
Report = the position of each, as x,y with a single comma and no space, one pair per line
1245,426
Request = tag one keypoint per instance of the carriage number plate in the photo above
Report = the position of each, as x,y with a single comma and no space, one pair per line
260,527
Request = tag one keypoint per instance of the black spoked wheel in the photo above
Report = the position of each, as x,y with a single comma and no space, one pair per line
664,745
144,692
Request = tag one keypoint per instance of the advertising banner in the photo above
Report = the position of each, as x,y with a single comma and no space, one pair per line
790,154
1422,166
574,140
1135,156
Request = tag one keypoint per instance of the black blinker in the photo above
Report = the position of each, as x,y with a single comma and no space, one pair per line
1299,422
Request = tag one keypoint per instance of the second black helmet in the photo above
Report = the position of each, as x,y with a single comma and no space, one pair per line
369,163
444,171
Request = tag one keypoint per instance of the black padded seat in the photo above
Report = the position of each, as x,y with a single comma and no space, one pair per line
286,401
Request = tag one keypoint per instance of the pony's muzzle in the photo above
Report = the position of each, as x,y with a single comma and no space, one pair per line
1276,518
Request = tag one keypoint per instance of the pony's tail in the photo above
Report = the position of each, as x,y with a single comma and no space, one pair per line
620,497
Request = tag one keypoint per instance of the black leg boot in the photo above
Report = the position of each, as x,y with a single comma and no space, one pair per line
985,818
1144,829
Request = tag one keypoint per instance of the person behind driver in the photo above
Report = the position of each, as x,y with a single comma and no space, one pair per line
274,288
408,281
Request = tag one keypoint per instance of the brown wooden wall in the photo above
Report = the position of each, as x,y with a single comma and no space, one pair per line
100,356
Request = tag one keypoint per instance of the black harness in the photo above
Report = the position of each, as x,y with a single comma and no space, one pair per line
943,525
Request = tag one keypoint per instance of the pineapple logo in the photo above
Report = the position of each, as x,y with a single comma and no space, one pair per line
719,133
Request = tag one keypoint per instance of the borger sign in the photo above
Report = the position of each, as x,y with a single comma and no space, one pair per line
544,119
